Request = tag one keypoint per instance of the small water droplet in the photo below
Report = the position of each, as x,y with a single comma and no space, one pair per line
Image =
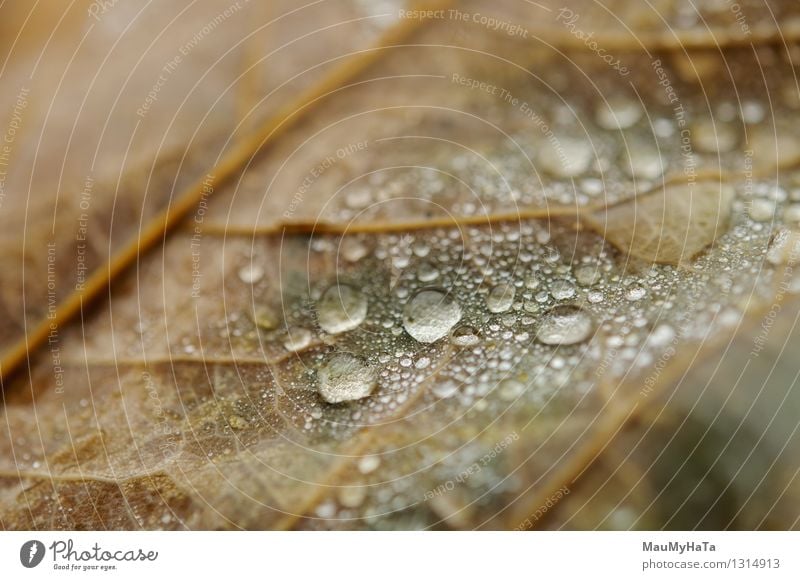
445,389
427,272
430,315
587,275
635,293
784,248
510,389
644,163
368,464
618,113
562,289
352,497
251,273
297,339
345,377
568,157
341,308
762,210
500,298
661,336
353,250
595,297
464,336
565,325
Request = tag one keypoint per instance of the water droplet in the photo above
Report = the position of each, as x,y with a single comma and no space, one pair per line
297,339
345,377
341,308
445,389
352,497
784,248
618,113
510,389
562,289
464,336
568,157
587,275
635,293
500,298
353,250
368,464
430,315
710,137
251,273
595,297
762,210
565,325
644,163
752,112
427,272
661,336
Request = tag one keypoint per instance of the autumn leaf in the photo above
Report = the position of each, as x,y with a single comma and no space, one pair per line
457,273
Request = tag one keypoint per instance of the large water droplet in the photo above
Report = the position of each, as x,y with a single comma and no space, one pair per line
565,325
500,298
345,377
341,308
430,315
